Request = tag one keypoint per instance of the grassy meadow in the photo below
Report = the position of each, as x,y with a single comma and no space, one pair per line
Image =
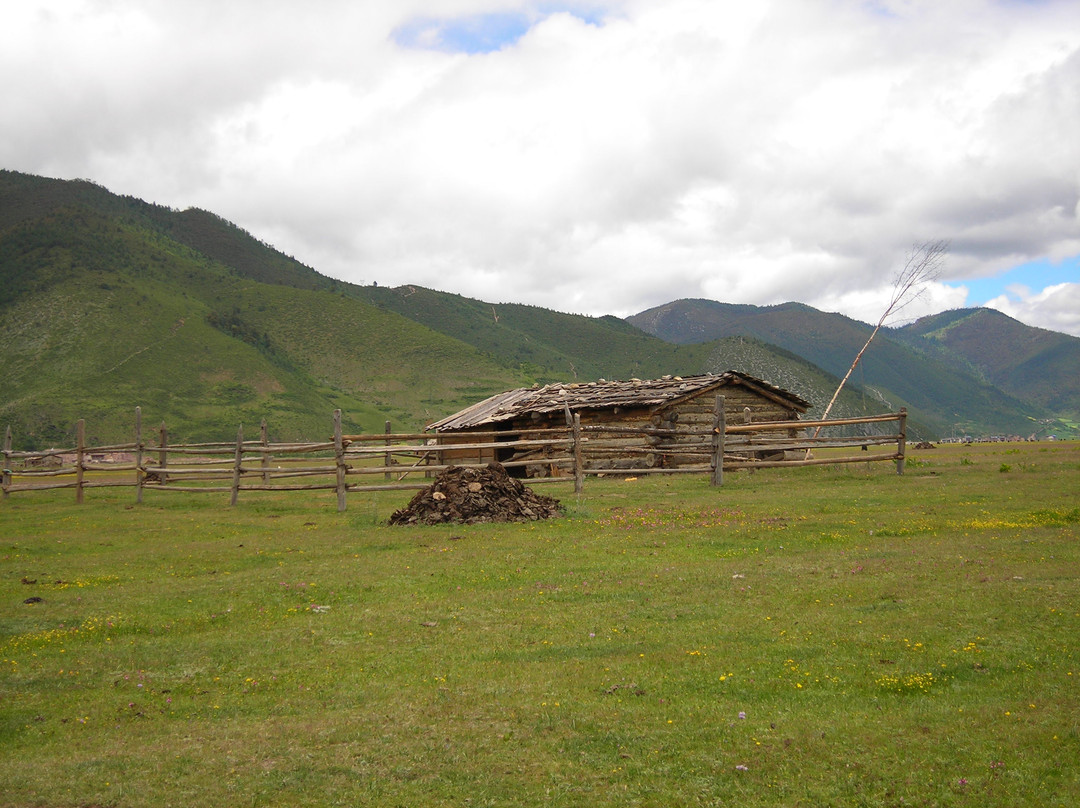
825,636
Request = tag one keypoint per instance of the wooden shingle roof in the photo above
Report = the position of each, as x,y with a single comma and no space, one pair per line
601,395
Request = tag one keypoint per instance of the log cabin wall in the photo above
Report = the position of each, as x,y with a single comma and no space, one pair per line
694,416
599,452
450,456
619,452
679,404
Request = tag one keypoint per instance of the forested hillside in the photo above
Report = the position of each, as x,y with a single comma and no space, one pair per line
547,344
1030,363
101,311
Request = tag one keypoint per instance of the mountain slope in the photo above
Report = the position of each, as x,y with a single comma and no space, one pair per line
1033,363
541,344
793,372
941,394
24,197
547,345
101,311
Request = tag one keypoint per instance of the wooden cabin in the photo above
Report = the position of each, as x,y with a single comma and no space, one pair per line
680,407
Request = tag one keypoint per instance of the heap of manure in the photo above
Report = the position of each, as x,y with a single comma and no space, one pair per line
472,495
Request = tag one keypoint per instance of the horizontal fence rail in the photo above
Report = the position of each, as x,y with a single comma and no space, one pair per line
407,461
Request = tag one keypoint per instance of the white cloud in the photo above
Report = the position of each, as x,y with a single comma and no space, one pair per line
1056,307
615,156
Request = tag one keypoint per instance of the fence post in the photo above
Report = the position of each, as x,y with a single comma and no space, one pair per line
138,455
901,441
80,452
579,465
163,455
719,427
265,440
387,457
238,458
339,455
7,461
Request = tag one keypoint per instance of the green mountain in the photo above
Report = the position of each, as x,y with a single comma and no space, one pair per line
793,372
1030,363
940,390
547,345
27,198
107,303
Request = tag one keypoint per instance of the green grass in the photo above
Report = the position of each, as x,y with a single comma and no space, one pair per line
816,636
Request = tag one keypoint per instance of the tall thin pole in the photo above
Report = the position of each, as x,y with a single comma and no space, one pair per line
387,458
163,454
923,267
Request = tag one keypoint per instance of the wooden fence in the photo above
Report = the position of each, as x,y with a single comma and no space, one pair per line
404,461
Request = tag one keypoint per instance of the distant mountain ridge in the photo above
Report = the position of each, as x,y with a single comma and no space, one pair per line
965,370
1030,363
108,302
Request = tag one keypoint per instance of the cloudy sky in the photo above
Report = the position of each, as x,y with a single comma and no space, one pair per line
592,156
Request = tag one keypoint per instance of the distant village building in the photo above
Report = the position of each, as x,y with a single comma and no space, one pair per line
683,404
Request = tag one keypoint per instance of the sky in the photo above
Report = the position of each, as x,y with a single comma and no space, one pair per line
590,156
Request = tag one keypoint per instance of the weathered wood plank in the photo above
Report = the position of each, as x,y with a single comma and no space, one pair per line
457,447
823,461
766,425
209,473
63,471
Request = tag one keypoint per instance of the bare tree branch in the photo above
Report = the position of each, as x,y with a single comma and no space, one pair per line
922,267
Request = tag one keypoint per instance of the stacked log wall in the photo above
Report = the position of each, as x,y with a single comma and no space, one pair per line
624,452
692,417
451,456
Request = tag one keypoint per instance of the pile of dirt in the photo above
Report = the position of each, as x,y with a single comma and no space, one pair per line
925,444
471,495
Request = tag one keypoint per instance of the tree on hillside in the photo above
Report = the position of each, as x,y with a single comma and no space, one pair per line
922,267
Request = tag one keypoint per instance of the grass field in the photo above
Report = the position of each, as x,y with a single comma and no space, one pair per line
826,636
